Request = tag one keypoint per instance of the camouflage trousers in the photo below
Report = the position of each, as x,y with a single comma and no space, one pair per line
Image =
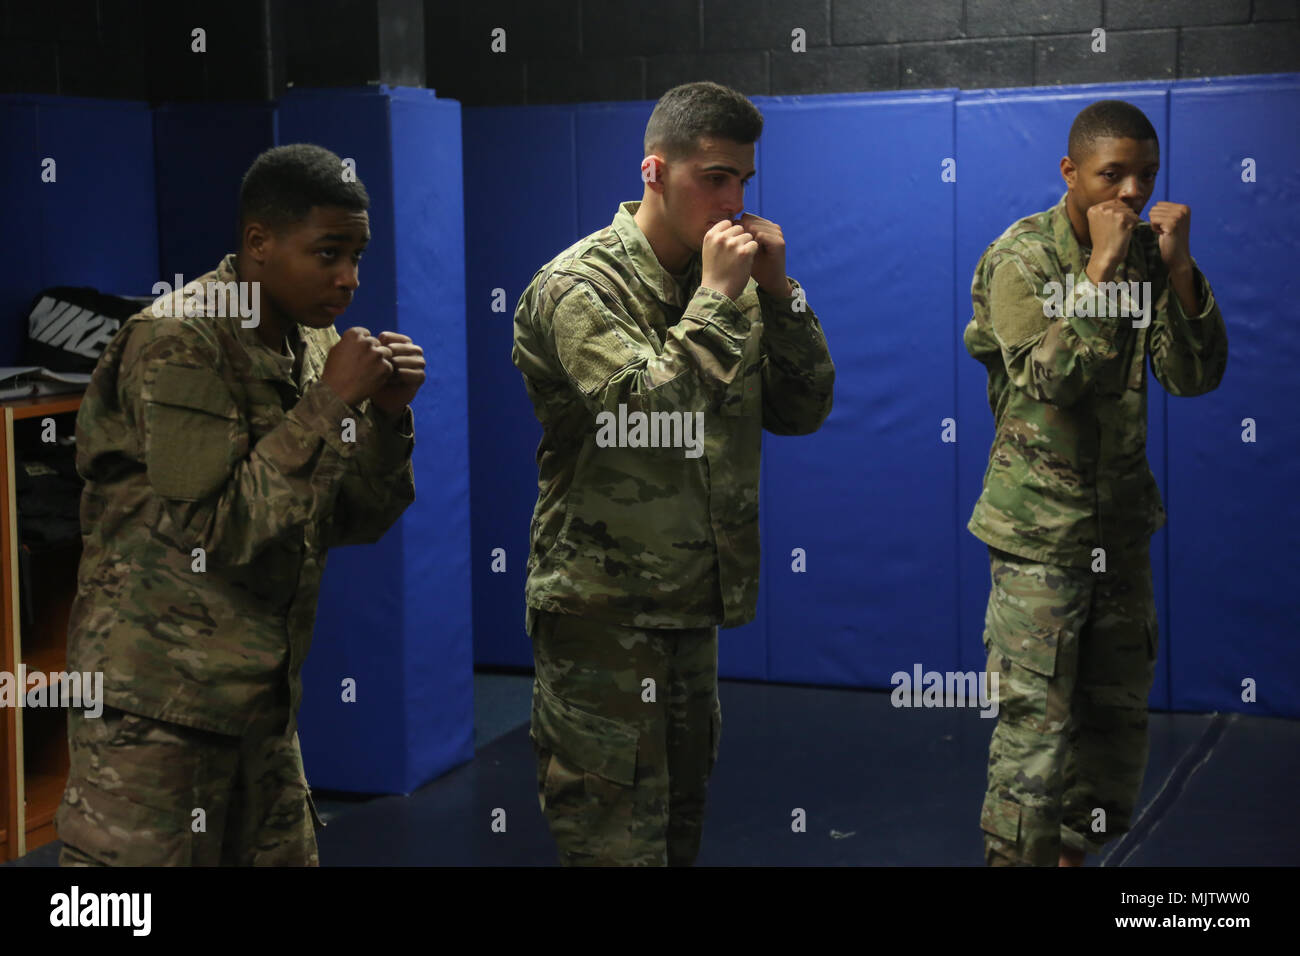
625,726
144,792
1075,653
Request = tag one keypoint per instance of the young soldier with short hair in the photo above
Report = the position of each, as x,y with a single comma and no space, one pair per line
655,351
223,454
1070,304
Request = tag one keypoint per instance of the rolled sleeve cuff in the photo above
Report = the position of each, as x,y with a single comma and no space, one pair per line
394,436
1203,292
322,412
713,308
783,308
1102,327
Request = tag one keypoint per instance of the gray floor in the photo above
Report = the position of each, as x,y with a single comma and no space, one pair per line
878,786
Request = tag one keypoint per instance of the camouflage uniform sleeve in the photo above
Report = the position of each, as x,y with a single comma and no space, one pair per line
1189,353
798,375
219,493
378,483
608,358
1052,359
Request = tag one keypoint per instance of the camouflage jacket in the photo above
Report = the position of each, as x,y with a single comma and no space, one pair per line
648,522
1068,469
195,435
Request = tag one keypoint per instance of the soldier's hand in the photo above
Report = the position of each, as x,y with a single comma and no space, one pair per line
1110,224
1173,224
408,373
357,366
769,263
727,258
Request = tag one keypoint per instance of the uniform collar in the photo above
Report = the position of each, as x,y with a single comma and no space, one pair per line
647,266
1072,255
266,362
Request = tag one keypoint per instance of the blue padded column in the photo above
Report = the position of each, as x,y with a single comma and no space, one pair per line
396,616
1009,147
1233,509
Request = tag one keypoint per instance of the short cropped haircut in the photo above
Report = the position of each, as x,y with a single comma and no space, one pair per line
1108,119
284,183
687,112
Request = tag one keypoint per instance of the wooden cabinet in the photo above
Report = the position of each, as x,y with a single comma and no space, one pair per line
33,741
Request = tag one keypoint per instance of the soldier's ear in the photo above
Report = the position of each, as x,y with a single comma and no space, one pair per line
1069,172
257,239
652,171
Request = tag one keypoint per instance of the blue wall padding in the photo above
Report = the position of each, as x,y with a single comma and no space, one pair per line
1009,146
95,225
1233,506
198,186
520,211
608,143
854,182
887,251
395,616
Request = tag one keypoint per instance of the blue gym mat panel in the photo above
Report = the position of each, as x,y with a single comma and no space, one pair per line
1233,508
520,212
869,497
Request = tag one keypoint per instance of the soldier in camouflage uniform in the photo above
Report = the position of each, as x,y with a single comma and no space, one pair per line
643,542
222,457
1069,503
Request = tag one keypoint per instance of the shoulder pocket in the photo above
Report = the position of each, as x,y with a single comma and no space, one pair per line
194,433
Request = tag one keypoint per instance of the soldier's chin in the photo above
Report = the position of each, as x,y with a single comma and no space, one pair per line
316,320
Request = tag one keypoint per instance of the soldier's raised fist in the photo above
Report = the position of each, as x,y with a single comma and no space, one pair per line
357,366
1110,225
727,258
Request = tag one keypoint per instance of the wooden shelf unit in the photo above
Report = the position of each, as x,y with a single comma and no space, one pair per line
33,743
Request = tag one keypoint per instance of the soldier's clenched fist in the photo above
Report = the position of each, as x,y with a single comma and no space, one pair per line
408,373
1110,225
727,258
357,366
769,263
1172,222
